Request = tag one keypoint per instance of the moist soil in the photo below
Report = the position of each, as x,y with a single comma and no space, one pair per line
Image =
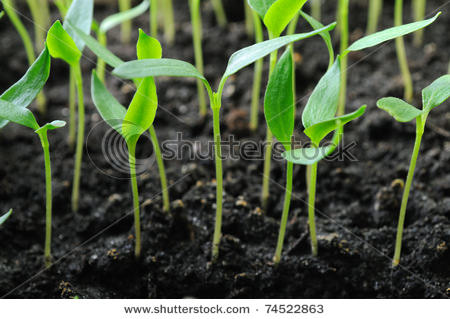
358,196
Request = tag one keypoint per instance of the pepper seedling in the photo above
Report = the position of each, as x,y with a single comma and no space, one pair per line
114,61
176,68
131,123
13,107
219,12
432,96
5,216
40,13
125,31
419,8
375,9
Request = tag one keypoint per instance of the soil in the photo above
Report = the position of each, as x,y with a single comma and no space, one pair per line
357,199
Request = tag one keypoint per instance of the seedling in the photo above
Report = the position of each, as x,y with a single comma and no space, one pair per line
114,61
401,53
125,35
249,23
154,18
5,216
257,73
419,8
41,17
375,9
316,10
9,7
13,107
433,95
219,12
343,31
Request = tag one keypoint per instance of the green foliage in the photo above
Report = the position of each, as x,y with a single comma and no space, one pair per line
261,6
4,217
148,47
436,93
399,109
61,45
308,155
280,13
80,14
118,18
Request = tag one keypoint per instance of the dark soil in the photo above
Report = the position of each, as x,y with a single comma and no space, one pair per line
357,200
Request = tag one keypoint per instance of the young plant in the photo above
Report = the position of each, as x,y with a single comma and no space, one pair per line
154,18
220,13
40,13
125,32
249,28
257,73
169,22
5,216
114,61
111,22
319,120
239,60
316,10
13,107
419,8
433,95
9,7
133,122
401,53
375,9
343,31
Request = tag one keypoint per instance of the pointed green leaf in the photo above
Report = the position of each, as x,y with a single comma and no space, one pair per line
399,109
148,47
319,130
141,112
24,91
116,19
323,102
4,217
280,13
307,155
109,108
248,55
389,34
61,46
80,15
436,93
261,6
55,125
17,114
98,49
279,100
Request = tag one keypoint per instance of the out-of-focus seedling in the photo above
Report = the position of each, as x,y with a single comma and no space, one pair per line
375,9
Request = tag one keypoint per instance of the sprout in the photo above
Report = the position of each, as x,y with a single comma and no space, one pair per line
401,53
375,9
419,8
5,216
41,20
249,23
154,18
169,22
433,95
13,107
257,75
125,35
219,12
177,68
343,31
316,10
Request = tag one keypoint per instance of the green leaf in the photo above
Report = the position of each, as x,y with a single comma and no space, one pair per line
389,34
4,217
279,100
148,47
323,102
436,93
141,112
399,109
24,91
80,15
308,155
248,55
261,6
116,19
319,130
61,45
17,114
55,125
109,108
324,34
98,49
280,13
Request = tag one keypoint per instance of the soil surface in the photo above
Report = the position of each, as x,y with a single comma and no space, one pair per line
358,198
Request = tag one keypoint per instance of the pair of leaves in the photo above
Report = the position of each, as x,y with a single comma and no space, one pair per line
116,19
4,217
433,95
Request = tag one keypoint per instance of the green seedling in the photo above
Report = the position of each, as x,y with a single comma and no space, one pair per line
219,12
169,22
154,18
125,31
40,13
257,73
111,22
276,15
131,123
401,53
249,23
343,31
197,34
176,68
419,8
13,107
9,7
375,9
4,217
433,95
319,120
114,61
63,6
316,10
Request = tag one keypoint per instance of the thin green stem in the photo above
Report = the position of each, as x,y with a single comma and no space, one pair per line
219,182
315,9
41,18
100,62
311,208
375,9
72,109
419,8
401,53
125,35
48,197
343,27
196,21
412,166
80,138
134,189
169,23
257,75
249,16
219,12
154,18
162,171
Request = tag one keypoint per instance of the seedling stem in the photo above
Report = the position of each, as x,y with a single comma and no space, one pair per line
419,7
137,220
162,171
401,54
169,26
315,9
154,18
375,9
343,28
219,12
311,207
72,109
257,75
125,5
